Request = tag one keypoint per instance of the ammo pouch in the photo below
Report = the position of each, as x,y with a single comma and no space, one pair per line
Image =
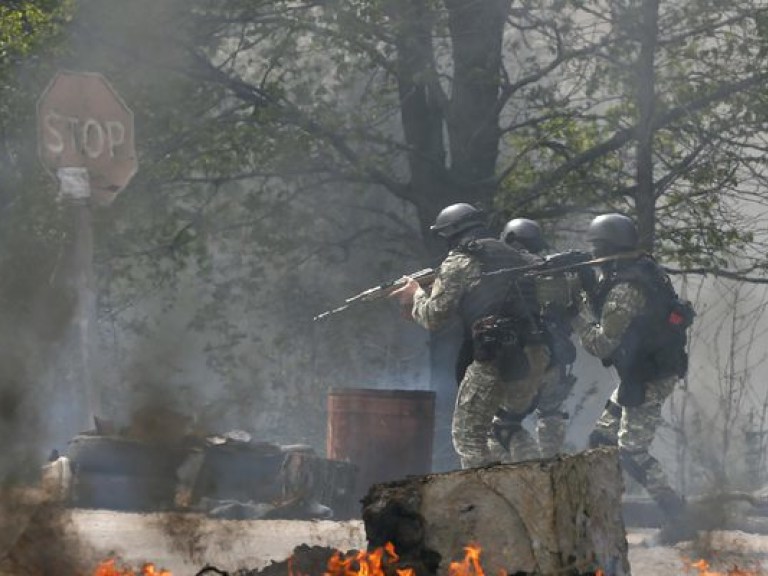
680,318
681,314
496,339
490,334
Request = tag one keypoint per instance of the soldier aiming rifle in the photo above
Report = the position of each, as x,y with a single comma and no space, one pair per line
500,316
423,277
573,260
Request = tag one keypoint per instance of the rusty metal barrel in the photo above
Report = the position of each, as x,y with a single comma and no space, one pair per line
387,434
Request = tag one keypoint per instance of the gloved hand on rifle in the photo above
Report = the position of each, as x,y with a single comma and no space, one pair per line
582,288
405,294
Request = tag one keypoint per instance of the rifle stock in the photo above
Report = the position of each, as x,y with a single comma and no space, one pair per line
424,277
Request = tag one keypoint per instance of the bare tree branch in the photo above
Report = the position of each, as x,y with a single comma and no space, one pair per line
738,275
622,137
295,116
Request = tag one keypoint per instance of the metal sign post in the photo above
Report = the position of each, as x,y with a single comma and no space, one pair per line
75,190
86,141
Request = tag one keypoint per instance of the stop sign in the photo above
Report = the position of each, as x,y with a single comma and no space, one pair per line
83,123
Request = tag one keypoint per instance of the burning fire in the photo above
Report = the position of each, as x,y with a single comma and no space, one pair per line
110,568
374,564
470,564
703,568
363,563
379,562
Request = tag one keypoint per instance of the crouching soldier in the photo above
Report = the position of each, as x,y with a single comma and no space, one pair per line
635,322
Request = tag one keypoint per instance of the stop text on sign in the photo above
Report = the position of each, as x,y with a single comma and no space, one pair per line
87,136
83,123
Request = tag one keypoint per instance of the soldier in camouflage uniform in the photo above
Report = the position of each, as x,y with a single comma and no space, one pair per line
634,323
498,312
551,419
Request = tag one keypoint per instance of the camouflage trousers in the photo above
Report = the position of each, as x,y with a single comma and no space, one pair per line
551,419
633,429
481,393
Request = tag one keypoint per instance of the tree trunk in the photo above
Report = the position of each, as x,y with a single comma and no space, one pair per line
470,118
421,113
559,516
477,30
645,94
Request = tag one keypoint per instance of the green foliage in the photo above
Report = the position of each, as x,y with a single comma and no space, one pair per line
705,169
266,127
555,141
31,227
250,114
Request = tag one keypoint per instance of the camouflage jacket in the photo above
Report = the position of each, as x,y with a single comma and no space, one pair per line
457,274
602,336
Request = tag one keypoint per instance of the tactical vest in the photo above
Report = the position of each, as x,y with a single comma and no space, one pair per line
505,295
653,345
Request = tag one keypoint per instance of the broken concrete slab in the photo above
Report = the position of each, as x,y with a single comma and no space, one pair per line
540,517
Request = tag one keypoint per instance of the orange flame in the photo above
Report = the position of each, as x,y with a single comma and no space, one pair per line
376,562
363,563
470,565
109,568
703,568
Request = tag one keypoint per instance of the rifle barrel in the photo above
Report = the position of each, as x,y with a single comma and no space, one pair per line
423,277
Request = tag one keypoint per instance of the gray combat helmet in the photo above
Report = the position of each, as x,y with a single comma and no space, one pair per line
457,218
526,232
613,231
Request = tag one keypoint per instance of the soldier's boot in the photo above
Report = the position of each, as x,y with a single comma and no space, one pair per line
677,525
550,429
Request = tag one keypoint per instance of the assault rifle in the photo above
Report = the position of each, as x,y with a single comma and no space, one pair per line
565,260
424,277
569,261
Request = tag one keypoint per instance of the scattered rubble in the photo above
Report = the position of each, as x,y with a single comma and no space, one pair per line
559,516
305,560
227,476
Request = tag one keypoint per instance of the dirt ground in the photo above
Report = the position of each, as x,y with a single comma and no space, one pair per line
185,543
725,551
